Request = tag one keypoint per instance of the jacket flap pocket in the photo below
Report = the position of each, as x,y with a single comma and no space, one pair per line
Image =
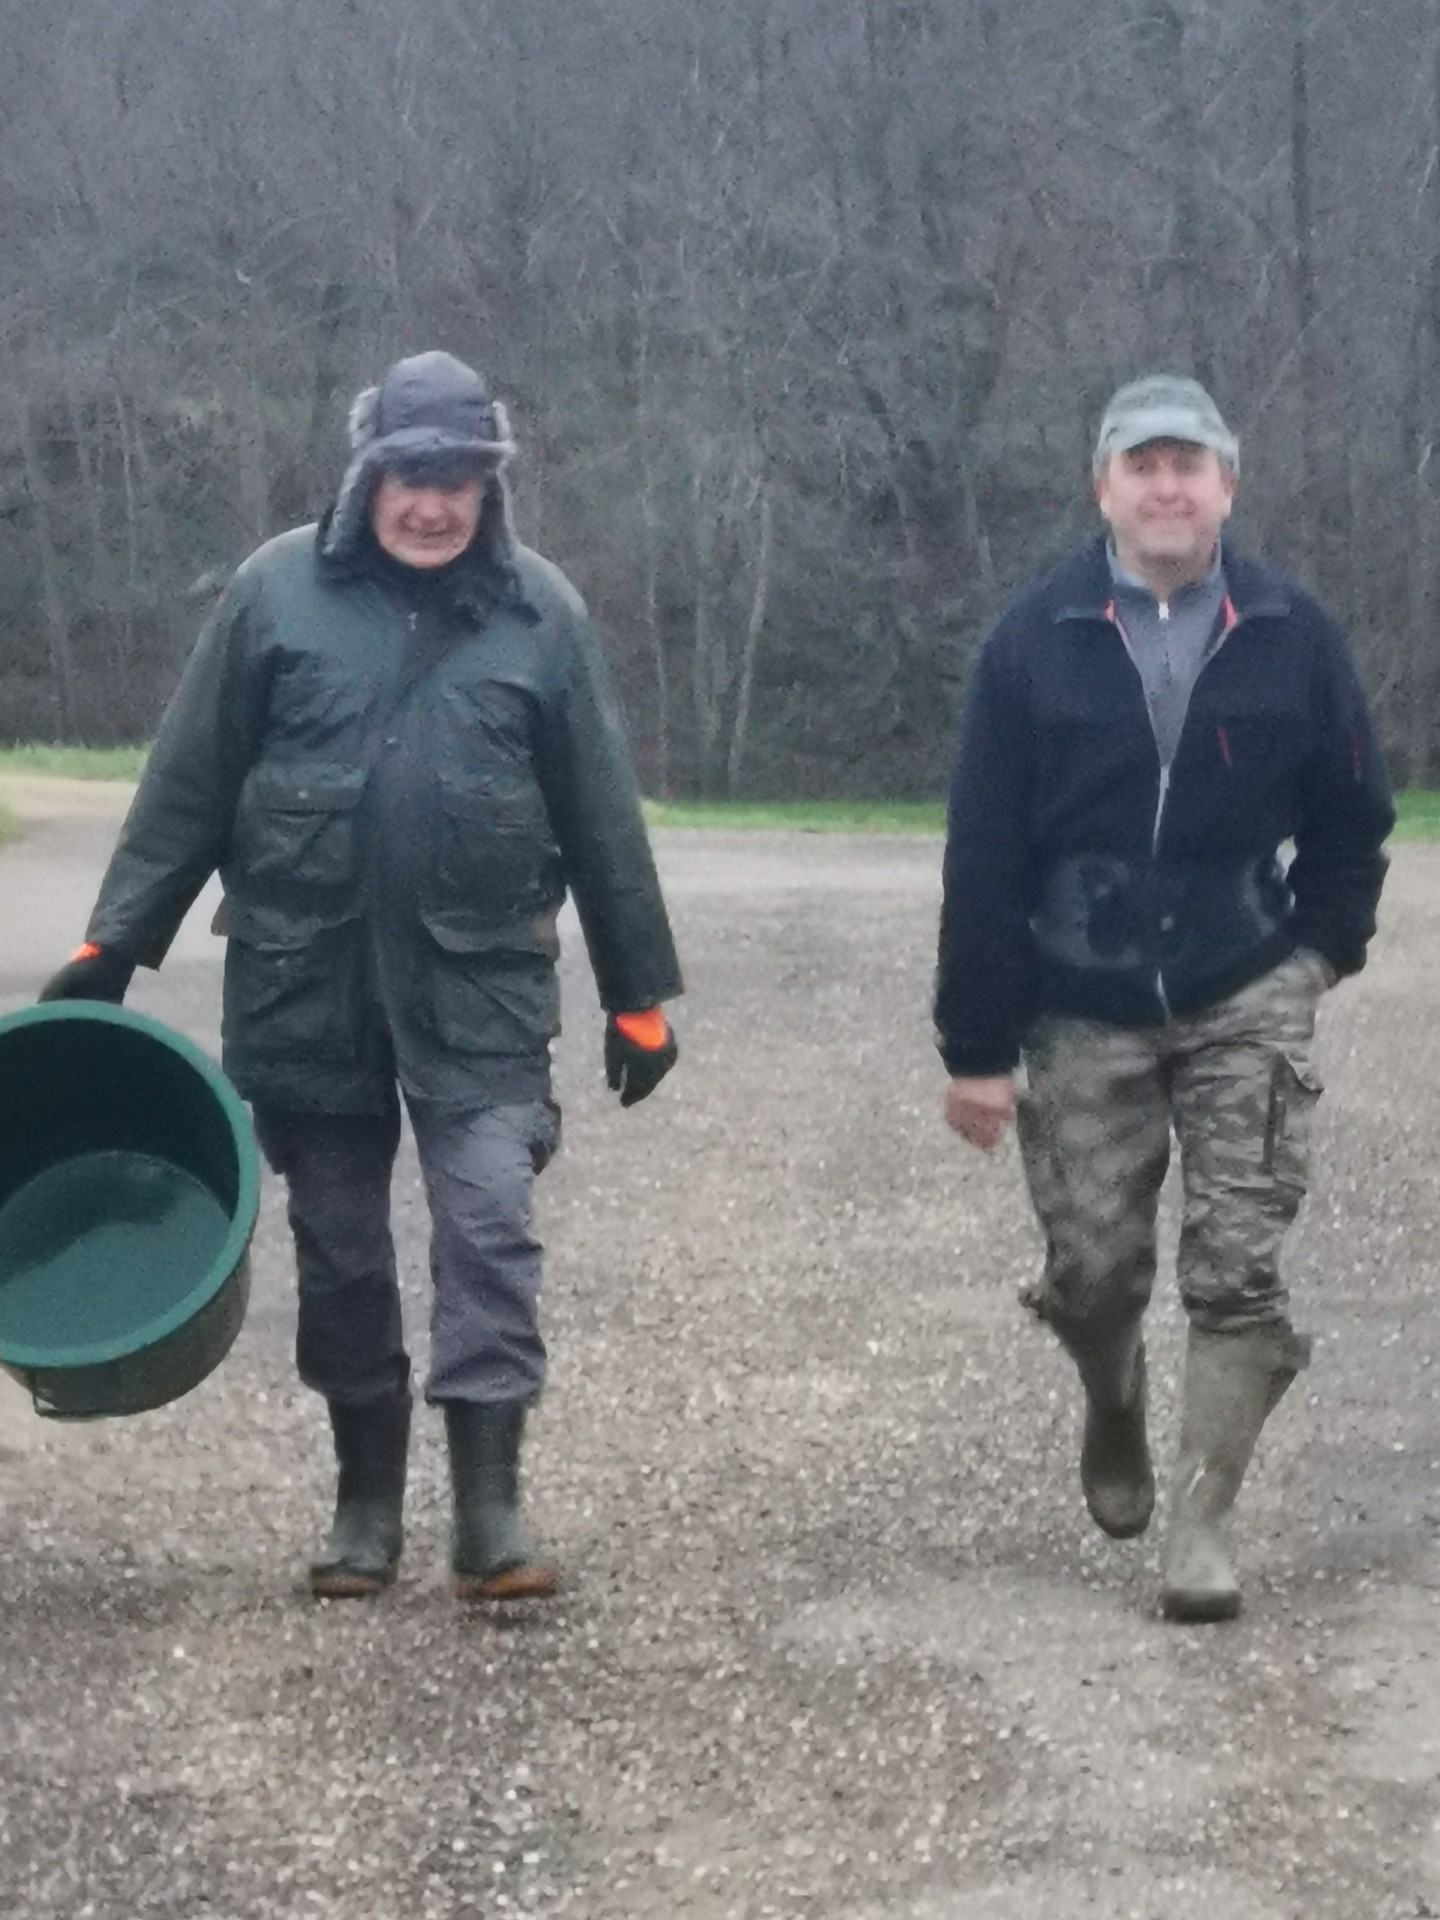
480,801
277,929
318,790
461,930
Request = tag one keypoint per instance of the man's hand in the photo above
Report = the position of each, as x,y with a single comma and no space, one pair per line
640,1050
91,973
981,1109
1324,970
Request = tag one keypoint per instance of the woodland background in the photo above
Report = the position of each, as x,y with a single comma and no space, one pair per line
804,314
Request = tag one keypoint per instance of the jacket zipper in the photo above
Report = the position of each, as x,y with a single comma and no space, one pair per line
1155,856
1232,621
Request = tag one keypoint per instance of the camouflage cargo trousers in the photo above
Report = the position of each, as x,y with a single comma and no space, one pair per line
1237,1086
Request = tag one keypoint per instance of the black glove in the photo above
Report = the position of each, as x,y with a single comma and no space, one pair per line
632,1069
91,973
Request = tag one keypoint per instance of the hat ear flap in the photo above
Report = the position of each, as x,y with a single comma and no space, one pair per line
364,418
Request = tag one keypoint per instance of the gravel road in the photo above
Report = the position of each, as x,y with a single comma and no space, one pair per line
837,1640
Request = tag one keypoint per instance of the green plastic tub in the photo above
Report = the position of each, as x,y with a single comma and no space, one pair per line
129,1184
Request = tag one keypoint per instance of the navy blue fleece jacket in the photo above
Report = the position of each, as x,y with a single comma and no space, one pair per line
1080,881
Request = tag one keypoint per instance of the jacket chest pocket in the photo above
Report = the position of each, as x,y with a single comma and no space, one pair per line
494,848
1254,747
301,828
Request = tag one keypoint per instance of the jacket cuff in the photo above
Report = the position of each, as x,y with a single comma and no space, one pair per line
1349,961
978,1063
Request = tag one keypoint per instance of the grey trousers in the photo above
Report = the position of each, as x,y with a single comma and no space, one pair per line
1237,1086
479,1167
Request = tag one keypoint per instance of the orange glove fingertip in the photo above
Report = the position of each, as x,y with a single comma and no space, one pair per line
649,1029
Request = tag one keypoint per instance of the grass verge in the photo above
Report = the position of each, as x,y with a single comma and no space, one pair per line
1418,810
75,763
1417,814
801,816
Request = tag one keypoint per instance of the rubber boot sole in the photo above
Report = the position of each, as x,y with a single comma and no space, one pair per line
349,1583
527,1582
1198,1609
1115,1529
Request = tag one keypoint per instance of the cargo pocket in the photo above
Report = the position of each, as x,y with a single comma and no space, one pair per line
1295,1087
487,996
494,848
299,827
545,1138
293,999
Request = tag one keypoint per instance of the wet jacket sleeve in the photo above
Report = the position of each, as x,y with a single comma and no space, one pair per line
178,826
985,983
593,800
1345,815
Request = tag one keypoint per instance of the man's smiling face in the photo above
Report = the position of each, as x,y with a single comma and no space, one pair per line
1166,501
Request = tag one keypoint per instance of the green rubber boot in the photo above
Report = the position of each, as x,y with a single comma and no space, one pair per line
362,1554
489,1555
1233,1383
1116,1473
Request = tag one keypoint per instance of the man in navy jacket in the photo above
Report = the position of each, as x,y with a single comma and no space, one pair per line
1145,730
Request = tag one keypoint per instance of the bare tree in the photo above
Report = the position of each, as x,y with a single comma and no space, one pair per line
805,314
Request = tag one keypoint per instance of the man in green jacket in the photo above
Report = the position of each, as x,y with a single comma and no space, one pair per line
396,744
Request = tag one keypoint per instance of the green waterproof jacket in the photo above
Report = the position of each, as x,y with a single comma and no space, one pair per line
396,790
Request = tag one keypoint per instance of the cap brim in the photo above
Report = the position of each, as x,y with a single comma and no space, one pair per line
1164,423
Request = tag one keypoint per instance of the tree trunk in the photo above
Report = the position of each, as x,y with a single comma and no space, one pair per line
1323,528
1422,422
650,525
57,625
754,628
704,671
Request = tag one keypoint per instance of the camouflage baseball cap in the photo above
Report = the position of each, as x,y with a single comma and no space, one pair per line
1164,406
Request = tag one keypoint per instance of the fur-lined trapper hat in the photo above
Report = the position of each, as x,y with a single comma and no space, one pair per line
430,418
